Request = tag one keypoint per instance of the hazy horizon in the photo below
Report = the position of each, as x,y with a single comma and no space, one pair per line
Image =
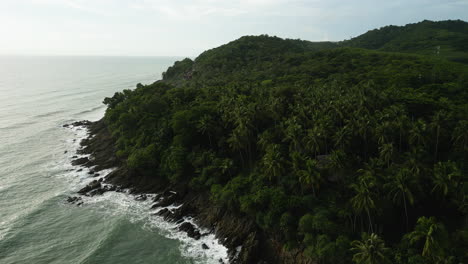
182,28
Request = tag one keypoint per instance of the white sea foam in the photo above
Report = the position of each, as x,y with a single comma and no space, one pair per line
117,203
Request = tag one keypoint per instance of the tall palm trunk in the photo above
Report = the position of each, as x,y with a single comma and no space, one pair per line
370,221
437,143
406,211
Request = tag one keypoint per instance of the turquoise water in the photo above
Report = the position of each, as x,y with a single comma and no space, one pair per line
37,96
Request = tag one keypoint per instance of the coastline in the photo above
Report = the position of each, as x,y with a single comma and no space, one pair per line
192,212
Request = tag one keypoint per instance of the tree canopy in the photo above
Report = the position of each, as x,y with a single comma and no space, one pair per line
315,142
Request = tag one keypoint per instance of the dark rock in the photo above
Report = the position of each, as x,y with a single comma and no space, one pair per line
179,214
190,230
66,125
81,123
73,199
92,186
65,152
141,197
98,191
204,246
165,213
78,170
74,157
96,175
80,161
157,197
91,172
168,200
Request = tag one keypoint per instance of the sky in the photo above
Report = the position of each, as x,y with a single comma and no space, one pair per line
188,27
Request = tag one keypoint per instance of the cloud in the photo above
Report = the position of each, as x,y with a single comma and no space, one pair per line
199,9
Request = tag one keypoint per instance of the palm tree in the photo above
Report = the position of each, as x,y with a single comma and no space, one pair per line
446,177
363,199
311,176
386,153
417,133
433,236
363,128
236,142
382,131
292,132
399,189
205,126
460,136
370,250
413,161
273,162
341,137
313,140
437,122
337,159
401,122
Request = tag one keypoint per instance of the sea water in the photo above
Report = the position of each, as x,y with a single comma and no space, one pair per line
38,95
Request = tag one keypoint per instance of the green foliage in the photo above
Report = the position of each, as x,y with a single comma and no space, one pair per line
431,236
446,39
315,142
369,250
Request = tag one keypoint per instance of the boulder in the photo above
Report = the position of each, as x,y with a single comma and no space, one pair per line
80,161
92,186
190,230
141,197
73,199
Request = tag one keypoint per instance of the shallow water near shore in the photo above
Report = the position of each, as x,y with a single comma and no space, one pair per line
38,95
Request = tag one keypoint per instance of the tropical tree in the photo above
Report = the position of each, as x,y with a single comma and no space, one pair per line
386,153
206,126
400,121
436,123
460,136
369,250
417,137
310,176
341,137
314,139
446,178
273,162
399,188
292,132
364,198
431,235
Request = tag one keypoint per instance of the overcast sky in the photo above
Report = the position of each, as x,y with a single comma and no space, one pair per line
188,27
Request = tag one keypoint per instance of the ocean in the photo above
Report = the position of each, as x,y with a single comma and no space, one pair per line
38,95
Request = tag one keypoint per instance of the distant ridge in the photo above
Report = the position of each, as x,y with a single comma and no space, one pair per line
447,39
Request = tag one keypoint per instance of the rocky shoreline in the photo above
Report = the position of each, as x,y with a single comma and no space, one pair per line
174,203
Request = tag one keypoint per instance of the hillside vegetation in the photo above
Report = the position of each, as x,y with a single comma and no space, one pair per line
446,39
348,154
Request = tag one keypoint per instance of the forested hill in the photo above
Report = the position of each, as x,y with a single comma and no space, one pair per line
249,58
446,39
344,154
